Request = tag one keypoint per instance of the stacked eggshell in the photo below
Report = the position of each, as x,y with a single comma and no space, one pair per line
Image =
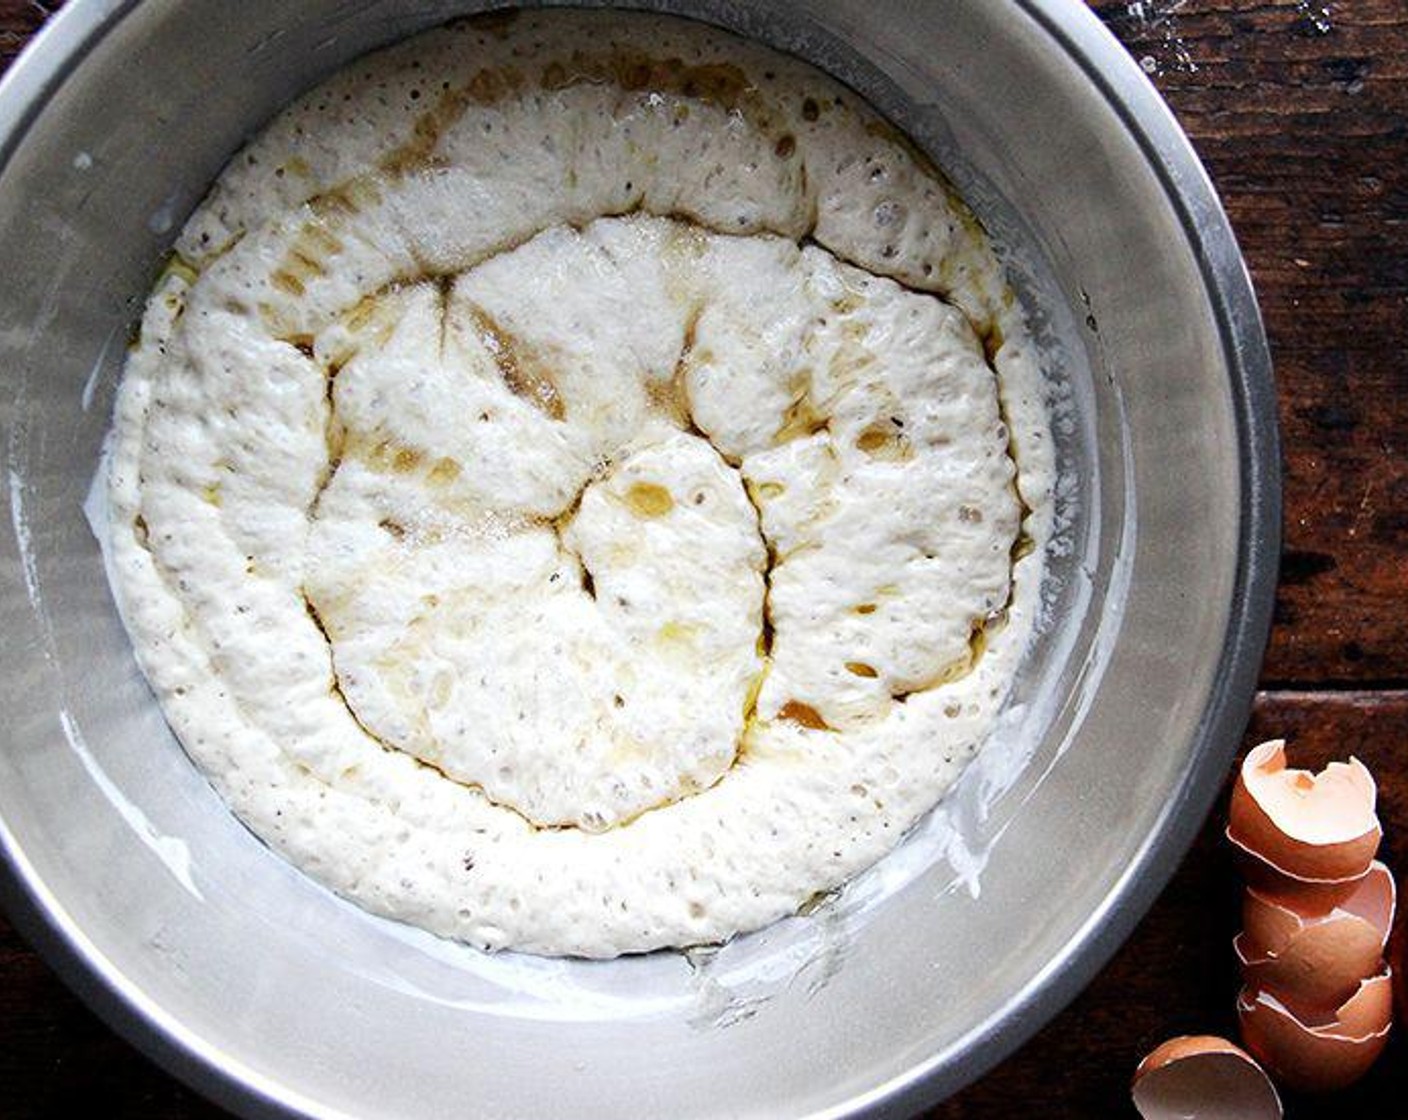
1317,1000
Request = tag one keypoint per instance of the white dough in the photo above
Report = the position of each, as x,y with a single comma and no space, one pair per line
560,496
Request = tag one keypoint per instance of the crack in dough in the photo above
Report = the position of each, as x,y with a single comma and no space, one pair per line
561,495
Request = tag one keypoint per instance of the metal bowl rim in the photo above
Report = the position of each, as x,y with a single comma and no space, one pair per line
77,29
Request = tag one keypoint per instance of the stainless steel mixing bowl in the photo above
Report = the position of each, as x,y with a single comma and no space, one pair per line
276,998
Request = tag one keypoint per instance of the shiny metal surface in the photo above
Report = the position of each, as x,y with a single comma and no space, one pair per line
278,999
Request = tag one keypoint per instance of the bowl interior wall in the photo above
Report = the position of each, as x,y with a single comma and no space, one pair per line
294,991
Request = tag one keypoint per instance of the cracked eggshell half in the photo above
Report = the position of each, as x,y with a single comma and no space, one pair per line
1206,1077
1315,961
1316,827
1320,1053
1318,896
1395,960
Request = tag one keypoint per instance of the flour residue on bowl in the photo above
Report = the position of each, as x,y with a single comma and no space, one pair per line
582,485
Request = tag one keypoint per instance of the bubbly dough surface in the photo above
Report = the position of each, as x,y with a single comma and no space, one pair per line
564,491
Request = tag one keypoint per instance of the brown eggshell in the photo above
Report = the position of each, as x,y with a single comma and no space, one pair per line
1314,896
1314,964
1308,984
1395,960
1319,1056
1272,917
1183,1046
1311,826
1270,920
1206,1077
1370,1009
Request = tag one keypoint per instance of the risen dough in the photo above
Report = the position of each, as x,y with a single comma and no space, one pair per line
561,494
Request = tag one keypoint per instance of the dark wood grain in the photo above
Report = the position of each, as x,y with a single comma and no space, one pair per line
1302,119
19,19
1300,111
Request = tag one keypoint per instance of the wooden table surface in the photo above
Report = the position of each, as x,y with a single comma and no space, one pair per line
1299,109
